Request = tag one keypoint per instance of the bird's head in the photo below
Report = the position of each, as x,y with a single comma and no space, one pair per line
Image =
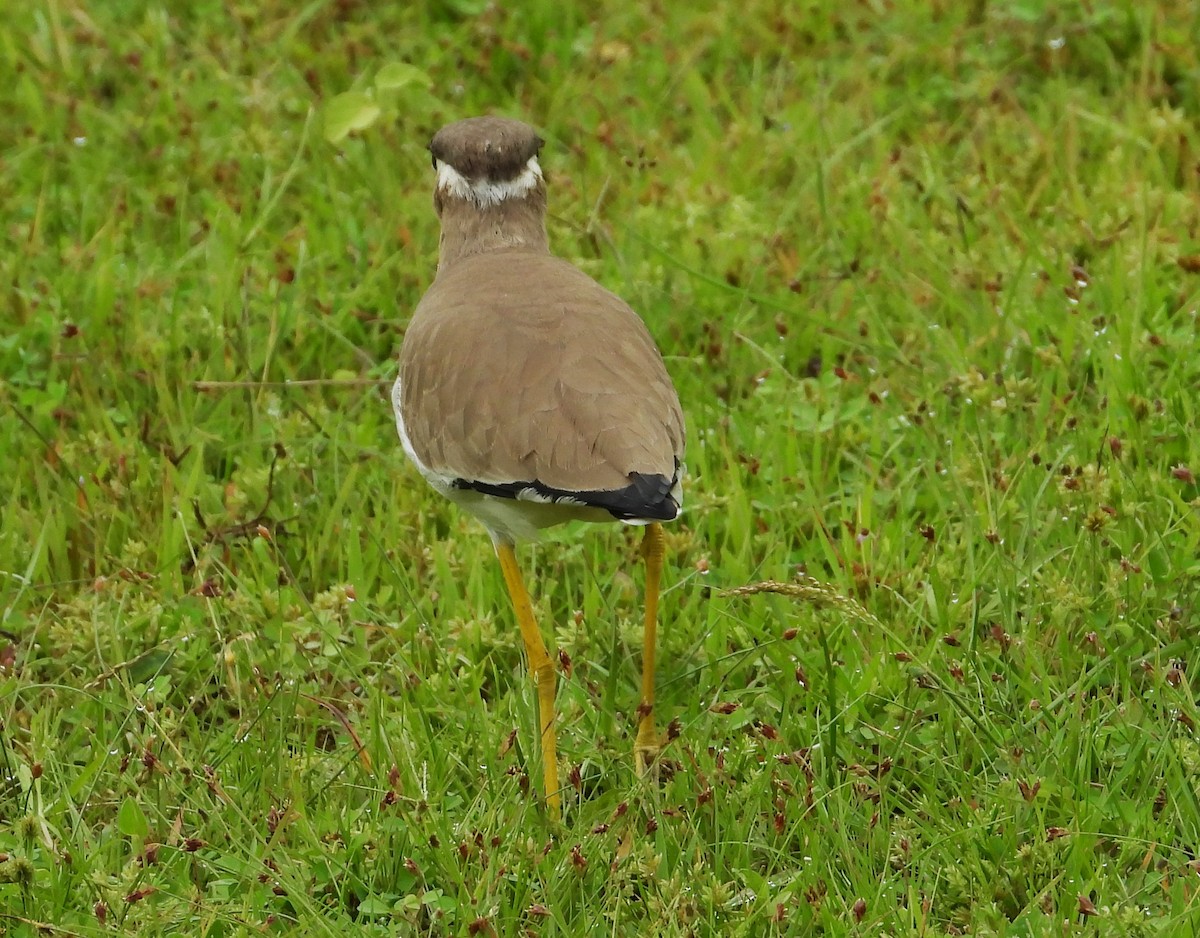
486,162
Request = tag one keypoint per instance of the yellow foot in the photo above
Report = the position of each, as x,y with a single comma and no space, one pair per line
648,744
645,757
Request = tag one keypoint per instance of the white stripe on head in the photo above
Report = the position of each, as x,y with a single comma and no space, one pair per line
484,192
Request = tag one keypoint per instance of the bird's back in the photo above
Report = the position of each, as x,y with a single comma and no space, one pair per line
518,367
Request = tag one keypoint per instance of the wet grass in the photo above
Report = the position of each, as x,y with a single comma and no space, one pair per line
927,280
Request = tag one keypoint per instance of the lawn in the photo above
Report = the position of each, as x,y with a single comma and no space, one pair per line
927,278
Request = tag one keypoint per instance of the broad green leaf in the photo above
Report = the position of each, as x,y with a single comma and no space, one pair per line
130,820
396,75
377,905
354,110
467,7
148,665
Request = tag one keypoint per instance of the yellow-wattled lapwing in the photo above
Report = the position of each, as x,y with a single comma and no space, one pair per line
530,395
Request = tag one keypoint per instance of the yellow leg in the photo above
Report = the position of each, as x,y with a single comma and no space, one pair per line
541,668
645,750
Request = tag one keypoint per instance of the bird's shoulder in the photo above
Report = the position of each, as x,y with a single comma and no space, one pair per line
516,285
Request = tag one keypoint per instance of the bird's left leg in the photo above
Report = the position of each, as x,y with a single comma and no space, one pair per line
541,668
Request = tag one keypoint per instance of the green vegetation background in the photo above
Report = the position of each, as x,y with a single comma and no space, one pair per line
926,275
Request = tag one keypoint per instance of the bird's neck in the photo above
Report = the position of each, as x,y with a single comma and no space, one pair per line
469,228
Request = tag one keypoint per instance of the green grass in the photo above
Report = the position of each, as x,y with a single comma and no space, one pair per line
927,278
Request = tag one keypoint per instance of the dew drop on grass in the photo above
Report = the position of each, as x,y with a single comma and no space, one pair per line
1057,43
80,141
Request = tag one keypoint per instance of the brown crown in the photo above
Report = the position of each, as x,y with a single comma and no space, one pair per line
491,148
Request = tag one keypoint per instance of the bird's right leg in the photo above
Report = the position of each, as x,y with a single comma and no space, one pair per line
645,749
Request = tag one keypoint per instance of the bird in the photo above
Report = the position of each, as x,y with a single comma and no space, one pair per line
529,395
